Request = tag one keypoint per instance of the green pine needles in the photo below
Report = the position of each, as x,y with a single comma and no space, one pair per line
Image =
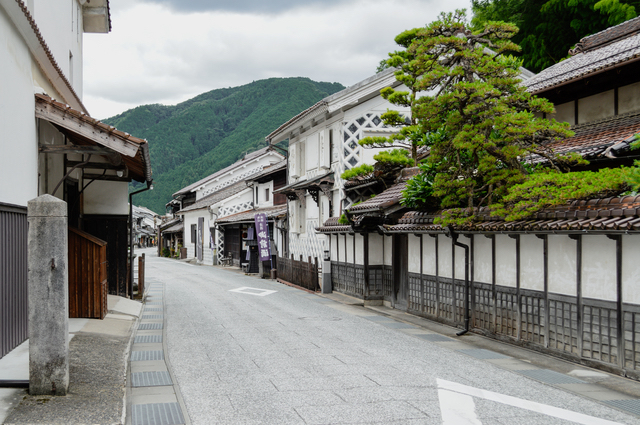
483,129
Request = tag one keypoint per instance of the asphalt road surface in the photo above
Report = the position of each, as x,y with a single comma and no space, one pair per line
250,351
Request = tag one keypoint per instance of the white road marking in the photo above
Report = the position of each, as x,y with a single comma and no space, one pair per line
457,409
253,291
464,390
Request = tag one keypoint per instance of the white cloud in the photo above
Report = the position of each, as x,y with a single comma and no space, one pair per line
156,54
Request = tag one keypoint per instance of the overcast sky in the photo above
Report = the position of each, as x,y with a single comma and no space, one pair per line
168,51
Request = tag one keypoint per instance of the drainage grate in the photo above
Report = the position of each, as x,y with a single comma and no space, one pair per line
480,353
152,309
142,356
149,326
550,377
152,316
632,406
148,339
150,379
156,414
154,303
435,338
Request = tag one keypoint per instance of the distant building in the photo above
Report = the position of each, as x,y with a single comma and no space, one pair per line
219,195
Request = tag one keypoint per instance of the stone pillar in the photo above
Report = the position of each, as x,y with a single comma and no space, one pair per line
48,296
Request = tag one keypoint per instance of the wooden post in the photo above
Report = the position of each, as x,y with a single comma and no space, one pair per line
141,276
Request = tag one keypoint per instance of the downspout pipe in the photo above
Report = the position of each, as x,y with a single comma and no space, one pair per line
450,232
149,187
14,383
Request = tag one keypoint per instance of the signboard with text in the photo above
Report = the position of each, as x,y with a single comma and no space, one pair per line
262,233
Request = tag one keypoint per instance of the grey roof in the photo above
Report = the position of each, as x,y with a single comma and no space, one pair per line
248,157
599,58
246,216
216,197
278,166
176,228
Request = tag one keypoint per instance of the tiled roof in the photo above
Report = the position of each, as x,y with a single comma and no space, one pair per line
592,140
176,228
215,197
599,215
278,166
384,200
583,64
607,36
332,226
271,212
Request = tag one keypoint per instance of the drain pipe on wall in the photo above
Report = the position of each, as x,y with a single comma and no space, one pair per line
453,235
149,187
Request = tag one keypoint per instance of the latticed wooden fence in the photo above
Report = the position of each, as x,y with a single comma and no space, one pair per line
300,273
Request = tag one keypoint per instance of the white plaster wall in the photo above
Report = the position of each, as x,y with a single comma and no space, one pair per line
565,113
359,241
312,152
349,249
388,250
376,252
334,247
19,170
444,257
414,253
189,218
460,264
505,261
562,265
598,268
106,197
531,263
60,23
630,269
482,259
629,98
312,208
429,255
596,107
262,200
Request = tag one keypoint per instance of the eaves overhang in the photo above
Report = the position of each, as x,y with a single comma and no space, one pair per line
91,135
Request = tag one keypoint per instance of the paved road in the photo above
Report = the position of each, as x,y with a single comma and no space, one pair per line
250,351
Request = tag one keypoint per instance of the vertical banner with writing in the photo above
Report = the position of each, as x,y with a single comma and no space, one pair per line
262,232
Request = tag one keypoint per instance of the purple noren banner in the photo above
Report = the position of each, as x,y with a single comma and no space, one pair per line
262,232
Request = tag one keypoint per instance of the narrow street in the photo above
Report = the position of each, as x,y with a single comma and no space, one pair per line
248,351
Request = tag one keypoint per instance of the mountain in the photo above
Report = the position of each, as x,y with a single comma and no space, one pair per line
200,136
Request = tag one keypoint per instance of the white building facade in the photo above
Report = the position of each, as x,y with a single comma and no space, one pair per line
323,143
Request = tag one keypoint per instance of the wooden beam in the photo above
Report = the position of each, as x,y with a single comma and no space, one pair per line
114,158
109,177
96,134
96,165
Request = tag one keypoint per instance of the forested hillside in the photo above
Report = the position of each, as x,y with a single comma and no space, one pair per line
196,138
